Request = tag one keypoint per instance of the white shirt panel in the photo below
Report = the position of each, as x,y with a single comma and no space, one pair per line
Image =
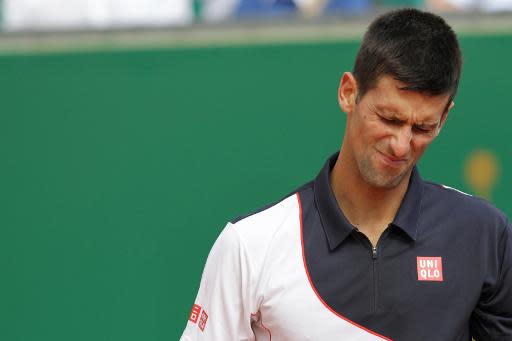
256,286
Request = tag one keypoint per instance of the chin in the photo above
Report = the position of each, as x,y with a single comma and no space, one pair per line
391,183
384,181
380,176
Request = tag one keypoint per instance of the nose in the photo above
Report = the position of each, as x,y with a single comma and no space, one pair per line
401,142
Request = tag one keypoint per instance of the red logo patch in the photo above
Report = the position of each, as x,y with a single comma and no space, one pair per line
430,269
194,314
202,321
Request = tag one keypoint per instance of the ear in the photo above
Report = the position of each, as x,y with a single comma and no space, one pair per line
445,114
444,117
347,92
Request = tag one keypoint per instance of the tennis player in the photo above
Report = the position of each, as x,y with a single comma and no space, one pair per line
368,250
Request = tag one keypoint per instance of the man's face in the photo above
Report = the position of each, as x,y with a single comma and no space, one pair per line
388,129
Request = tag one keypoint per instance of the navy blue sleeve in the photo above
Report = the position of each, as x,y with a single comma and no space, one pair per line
492,318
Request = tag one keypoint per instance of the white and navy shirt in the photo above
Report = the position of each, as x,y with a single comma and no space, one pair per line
297,270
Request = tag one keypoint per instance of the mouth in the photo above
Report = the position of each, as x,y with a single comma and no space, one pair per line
391,161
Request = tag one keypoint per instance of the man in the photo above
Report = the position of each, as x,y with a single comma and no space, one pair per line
368,250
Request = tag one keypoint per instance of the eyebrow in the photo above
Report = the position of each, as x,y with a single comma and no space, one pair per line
394,115
427,125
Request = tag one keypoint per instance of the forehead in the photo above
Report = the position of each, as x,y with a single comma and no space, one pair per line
389,95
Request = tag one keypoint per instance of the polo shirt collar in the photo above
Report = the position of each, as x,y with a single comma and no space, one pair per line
335,224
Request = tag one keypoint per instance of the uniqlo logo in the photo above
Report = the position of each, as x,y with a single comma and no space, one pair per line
430,269
194,314
202,321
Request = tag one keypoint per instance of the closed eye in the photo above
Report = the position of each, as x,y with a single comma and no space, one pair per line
391,121
424,129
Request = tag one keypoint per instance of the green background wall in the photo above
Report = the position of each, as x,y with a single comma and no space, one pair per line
120,168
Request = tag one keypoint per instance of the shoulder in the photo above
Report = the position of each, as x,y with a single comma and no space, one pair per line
457,205
272,213
263,222
269,225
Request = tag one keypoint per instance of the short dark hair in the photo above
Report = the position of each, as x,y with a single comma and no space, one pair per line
417,48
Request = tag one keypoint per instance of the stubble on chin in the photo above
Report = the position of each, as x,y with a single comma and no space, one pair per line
377,179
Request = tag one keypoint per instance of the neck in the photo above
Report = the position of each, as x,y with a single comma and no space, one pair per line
371,209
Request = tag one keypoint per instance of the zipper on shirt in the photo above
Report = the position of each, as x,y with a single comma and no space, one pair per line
374,255
374,277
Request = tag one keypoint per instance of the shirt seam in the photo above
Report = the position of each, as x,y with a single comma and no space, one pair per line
271,242
502,255
245,252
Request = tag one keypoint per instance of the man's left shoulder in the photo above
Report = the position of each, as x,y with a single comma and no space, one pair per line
463,206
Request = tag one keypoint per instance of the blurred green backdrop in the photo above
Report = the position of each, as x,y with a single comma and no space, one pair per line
120,168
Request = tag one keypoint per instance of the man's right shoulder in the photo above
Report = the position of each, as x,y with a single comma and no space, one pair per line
259,227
